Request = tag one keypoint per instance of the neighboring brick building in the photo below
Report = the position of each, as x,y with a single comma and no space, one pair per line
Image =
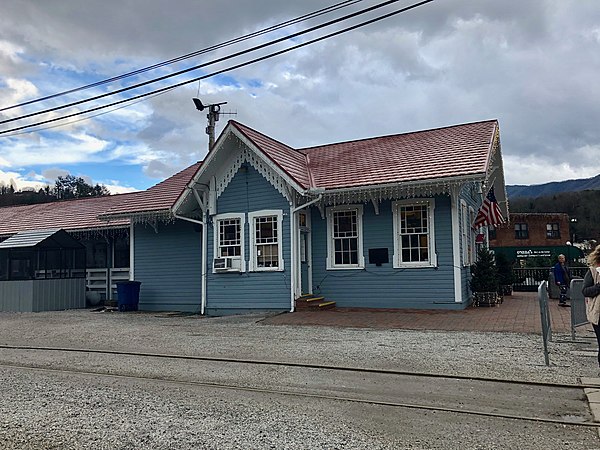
527,235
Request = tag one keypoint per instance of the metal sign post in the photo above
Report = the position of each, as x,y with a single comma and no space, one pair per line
545,316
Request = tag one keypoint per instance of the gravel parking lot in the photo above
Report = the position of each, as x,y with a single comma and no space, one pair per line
66,410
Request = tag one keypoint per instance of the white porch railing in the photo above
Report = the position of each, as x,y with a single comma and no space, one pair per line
104,281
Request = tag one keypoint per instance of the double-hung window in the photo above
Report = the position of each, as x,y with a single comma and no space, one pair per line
521,231
265,240
229,237
344,237
414,233
552,231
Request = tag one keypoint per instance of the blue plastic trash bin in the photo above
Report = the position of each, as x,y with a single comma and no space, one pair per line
128,295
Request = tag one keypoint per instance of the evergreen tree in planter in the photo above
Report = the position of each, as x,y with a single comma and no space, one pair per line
506,277
484,279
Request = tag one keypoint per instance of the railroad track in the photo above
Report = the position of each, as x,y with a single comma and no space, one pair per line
297,393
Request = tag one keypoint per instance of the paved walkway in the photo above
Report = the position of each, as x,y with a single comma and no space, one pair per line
519,313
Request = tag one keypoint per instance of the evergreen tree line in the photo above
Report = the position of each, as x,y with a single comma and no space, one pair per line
64,188
583,206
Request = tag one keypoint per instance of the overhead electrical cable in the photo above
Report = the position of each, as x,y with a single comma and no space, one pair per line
209,63
237,66
90,116
254,34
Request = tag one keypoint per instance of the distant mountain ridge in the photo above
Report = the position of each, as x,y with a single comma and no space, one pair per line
555,187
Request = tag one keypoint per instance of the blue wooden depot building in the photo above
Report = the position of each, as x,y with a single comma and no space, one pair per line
383,222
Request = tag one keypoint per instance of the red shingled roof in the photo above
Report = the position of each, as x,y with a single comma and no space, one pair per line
288,159
82,214
459,150
443,152
160,197
78,214
453,151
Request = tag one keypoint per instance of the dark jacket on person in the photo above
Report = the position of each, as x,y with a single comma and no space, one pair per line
562,274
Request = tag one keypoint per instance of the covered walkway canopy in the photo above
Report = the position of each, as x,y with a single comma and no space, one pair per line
42,270
41,254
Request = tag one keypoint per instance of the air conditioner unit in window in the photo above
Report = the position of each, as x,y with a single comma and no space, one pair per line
227,264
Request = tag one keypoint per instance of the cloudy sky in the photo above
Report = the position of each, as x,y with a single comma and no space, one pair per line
534,65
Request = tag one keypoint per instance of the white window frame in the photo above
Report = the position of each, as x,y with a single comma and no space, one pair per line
473,236
396,205
330,244
464,235
216,220
252,267
467,234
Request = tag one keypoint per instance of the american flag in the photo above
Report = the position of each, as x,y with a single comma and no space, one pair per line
489,213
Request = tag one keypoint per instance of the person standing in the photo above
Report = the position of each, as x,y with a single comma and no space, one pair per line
591,292
562,278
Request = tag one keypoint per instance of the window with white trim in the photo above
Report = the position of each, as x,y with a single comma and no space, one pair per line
265,240
414,233
344,237
229,237
472,237
465,232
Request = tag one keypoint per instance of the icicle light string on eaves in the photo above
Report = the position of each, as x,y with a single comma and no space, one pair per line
393,192
152,218
101,233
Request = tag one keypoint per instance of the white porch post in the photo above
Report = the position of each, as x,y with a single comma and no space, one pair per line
131,253
456,245
293,257
204,261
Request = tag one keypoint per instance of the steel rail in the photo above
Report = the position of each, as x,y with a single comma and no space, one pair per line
288,393
301,365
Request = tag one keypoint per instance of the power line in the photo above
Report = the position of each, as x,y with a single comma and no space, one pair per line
199,66
294,21
91,116
237,66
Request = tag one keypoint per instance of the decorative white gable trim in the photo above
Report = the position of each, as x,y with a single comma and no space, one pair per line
245,155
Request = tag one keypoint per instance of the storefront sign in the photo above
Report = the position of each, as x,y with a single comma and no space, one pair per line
529,253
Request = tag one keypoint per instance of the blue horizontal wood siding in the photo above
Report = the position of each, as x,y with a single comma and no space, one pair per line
229,293
169,266
384,286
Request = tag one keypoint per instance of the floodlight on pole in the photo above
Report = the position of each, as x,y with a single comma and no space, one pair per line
213,116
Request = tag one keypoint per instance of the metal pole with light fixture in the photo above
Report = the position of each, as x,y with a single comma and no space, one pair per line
214,111
212,116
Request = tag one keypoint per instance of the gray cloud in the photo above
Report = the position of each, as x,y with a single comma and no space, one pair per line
533,65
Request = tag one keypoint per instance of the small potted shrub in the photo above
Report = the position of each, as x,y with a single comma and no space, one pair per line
484,279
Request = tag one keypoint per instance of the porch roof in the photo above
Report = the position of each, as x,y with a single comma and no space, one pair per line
71,215
155,200
54,238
